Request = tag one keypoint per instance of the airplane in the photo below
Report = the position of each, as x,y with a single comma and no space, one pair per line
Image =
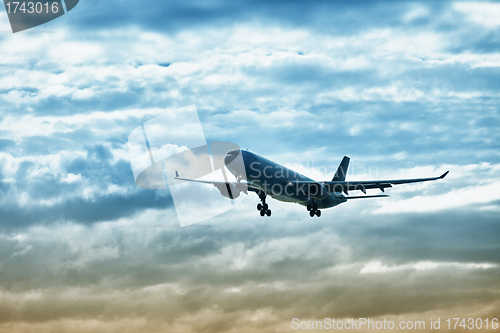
267,178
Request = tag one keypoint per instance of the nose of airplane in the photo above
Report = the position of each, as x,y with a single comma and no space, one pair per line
231,156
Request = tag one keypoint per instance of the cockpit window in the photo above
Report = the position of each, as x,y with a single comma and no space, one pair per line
234,152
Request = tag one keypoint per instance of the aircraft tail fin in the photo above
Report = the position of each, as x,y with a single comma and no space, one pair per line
342,170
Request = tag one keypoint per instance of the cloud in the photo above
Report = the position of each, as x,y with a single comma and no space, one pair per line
377,267
483,13
404,89
220,276
87,186
469,186
471,196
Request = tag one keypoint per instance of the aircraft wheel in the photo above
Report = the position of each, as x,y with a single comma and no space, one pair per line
315,207
268,213
309,207
311,213
259,206
262,212
318,213
265,207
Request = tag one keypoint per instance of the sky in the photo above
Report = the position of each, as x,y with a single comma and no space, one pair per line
405,89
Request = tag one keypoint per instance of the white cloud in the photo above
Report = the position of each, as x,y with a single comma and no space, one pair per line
72,178
416,12
378,267
458,198
483,13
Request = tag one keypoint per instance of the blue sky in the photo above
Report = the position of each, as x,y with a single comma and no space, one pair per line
406,89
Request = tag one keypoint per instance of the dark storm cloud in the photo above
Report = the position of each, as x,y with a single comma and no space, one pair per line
443,236
102,100
43,145
313,75
105,208
332,16
245,267
458,137
456,78
486,42
278,251
96,168
5,144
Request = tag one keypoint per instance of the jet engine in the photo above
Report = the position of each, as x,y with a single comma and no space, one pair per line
230,190
317,191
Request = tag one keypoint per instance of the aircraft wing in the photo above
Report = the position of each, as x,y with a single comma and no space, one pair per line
367,196
346,186
242,186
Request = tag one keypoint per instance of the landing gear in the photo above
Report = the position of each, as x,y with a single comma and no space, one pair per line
263,207
313,207
313,210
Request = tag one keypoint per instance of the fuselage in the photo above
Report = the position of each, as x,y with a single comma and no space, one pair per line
278,181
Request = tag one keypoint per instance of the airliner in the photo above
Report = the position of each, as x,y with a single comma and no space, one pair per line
258,174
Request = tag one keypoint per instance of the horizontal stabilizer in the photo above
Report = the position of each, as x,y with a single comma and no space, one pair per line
367,196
